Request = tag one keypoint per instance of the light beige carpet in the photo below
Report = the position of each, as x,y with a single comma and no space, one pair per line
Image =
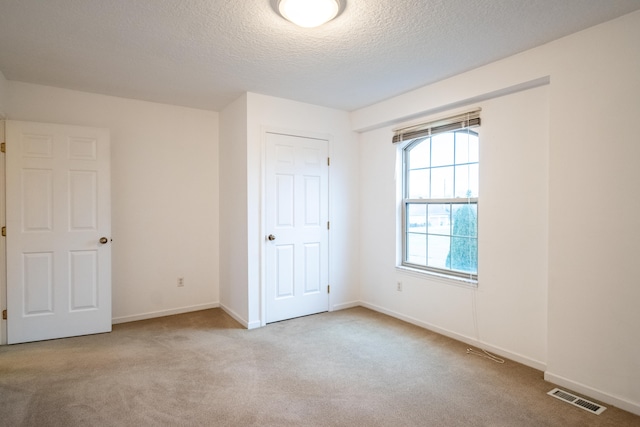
348,368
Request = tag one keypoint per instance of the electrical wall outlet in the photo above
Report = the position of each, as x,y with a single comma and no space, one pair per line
180,282
399,287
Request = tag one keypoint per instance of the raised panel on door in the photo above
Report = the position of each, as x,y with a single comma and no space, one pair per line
37,291
37,200
285,280
312,266
58,208
83,280
83,200
36,145
312,201
296,215
284,201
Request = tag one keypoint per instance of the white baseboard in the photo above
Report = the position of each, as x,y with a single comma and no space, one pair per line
345,305
162,313
255,324
587,391
535,364
238,318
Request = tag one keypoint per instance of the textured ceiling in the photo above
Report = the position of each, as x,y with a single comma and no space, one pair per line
206,53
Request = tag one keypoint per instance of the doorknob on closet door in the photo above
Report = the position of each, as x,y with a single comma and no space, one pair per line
271,237
104,240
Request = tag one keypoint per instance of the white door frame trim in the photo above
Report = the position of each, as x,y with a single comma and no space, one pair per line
3,247
263,203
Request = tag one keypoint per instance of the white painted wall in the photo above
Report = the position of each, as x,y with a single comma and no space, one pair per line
583,267
234,243
569,282
164,194
512,292
242,127
276,113
594,290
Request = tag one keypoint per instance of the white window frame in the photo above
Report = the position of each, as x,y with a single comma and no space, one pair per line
468,277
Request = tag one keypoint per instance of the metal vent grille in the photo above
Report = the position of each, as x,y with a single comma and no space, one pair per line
577,401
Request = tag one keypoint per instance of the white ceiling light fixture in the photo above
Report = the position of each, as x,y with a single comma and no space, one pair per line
309,13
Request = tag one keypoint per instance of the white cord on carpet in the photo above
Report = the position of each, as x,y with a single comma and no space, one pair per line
483,353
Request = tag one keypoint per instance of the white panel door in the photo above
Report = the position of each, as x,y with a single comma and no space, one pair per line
58,231
296,219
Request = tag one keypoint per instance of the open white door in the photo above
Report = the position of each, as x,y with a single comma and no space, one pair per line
58,231
296,219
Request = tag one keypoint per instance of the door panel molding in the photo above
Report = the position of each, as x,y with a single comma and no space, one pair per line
58,206
295,211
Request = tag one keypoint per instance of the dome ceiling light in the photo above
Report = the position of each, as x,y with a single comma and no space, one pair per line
309,13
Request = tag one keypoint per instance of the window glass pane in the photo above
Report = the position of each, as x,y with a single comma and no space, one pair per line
419,155
442,149
474,179
417,248
466,147
439,219
438,251
464,254
466,181
442,183
442,235
418,185
462,148
417,218
465,220
474,149
462,182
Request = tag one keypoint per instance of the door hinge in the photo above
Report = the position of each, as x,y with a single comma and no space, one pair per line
328,225
328,289
328,160
3,147
4,231
4,314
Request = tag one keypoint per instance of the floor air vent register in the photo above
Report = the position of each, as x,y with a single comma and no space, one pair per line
594,408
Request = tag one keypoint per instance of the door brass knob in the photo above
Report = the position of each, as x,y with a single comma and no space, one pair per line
104,240
271,237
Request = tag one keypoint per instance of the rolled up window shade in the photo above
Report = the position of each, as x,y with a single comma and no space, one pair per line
460,121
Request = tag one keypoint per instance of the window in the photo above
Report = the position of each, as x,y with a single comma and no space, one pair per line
440,202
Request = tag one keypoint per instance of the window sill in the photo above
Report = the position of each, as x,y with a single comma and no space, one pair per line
441,278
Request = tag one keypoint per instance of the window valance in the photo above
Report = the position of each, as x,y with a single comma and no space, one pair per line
460,121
